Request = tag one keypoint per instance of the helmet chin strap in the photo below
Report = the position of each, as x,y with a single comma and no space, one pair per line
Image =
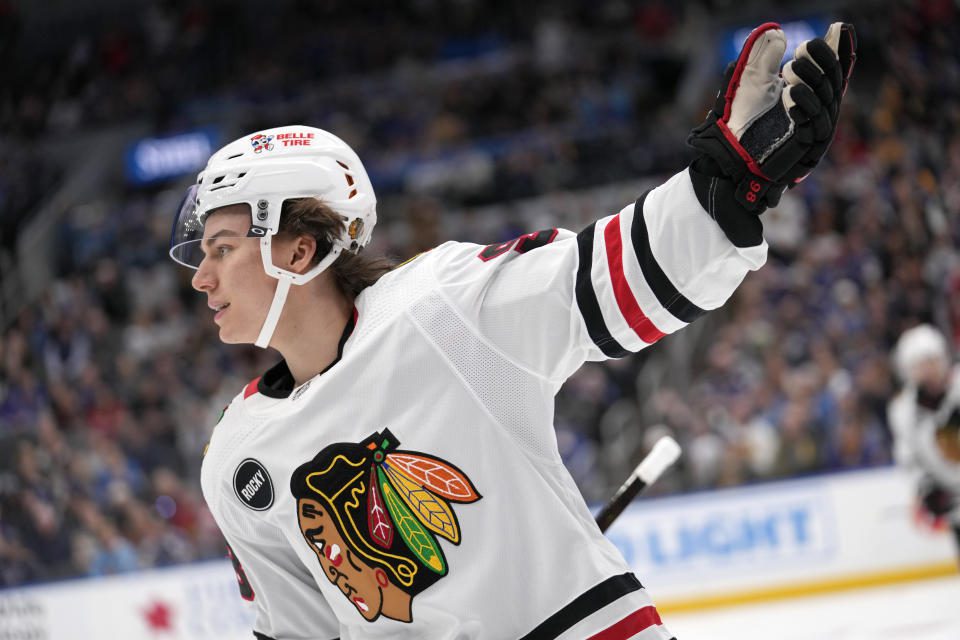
284,280
273,315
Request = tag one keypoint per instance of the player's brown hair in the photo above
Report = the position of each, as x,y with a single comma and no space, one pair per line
353,272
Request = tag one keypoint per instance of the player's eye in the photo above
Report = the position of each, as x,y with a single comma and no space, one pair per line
355,566
222,250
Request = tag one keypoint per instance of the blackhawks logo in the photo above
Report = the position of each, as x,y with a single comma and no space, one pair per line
373,515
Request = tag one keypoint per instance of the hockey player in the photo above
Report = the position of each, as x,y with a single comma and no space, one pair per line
925,420
396,475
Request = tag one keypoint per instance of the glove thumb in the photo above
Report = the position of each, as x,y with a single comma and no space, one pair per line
756,84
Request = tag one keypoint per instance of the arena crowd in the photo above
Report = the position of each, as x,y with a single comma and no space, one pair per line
111,383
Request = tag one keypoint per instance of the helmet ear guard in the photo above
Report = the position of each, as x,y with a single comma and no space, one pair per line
266,255
267,168
284,280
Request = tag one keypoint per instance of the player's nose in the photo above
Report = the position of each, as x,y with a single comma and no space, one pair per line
204,278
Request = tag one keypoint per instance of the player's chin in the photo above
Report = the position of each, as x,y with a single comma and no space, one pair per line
229,335
369,610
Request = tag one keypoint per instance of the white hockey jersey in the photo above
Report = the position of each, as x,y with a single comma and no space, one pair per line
916,432
414,488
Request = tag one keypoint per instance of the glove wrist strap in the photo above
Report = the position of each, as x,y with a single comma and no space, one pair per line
717,195
753,191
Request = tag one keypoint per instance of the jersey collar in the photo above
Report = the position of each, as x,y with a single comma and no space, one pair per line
277,382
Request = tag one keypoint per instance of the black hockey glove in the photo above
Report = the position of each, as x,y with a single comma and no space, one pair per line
767,131
936,500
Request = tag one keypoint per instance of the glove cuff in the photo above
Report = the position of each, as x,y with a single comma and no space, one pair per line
753,191
718,197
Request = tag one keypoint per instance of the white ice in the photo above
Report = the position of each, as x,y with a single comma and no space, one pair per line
923,610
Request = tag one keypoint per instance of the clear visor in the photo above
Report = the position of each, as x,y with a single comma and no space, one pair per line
197,234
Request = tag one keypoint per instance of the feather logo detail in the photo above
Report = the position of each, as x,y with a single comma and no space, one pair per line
433,512
420,542
440,477
378,521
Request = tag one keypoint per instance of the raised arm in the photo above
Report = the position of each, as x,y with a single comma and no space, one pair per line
552,299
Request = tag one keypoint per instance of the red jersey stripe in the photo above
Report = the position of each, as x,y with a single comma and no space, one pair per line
251,388
631,625
631,311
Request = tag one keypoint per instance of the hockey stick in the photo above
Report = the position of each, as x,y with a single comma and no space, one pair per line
664,453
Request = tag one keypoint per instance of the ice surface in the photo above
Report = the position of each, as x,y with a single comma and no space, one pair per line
924,610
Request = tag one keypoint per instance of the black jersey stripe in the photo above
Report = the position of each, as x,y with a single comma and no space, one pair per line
587,299
586,604
261,636
667,294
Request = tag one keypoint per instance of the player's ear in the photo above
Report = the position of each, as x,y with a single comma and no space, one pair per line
382,580
297,253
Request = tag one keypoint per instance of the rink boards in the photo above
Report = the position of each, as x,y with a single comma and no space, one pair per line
775,540
696,551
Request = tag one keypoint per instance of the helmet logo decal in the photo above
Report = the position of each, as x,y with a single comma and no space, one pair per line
264,142
299,139
261,142
356,228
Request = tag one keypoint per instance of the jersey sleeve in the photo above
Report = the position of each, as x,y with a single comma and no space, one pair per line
552,299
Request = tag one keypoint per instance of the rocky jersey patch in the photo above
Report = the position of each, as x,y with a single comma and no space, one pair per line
373,513
253,486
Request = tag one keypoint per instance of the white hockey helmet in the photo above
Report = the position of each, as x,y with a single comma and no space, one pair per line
915,345
264,169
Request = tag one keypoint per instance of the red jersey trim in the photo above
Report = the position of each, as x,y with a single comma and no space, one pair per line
251,387
635,317
631,625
